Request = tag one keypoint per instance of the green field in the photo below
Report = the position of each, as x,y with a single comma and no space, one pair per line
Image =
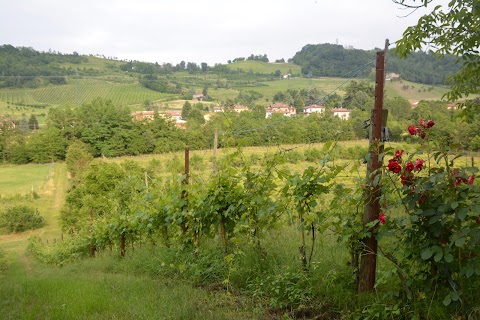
79,91
23,179
265,67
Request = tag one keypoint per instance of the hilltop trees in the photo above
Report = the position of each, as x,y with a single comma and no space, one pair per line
451,30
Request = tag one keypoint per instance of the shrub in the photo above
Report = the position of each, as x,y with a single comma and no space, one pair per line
313,155
21,218
293,156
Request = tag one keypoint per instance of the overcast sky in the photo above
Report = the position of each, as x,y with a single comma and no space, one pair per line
211,31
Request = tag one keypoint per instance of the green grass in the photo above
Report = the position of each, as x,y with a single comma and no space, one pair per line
265,67
270,88
415,91
21,179
30,290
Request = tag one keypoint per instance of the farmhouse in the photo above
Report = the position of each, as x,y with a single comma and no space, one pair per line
138,116
342,113
198,97
391,76
313,109
175,115
280,108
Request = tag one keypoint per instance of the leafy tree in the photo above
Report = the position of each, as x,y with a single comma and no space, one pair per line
46,145
197,116
298,102
398,107
33,122
105,127
359,95
448,30
186,109
77,158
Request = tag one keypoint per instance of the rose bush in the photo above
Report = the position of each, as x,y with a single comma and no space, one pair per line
438,208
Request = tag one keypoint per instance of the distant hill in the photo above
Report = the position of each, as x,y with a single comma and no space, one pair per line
33,81
330,60
265,67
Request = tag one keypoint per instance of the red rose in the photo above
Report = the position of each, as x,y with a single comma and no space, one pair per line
394,166
430,123
470,180
422,123
458,181
398,154
422,134
409,166
382,218
412,130
419,164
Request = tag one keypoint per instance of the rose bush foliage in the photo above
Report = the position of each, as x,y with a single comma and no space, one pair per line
436,216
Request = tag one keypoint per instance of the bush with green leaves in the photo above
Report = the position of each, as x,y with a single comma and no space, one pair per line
20,218
435,221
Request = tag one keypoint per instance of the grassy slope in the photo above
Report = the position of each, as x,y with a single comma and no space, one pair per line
124,89
87,290
22,179
265,67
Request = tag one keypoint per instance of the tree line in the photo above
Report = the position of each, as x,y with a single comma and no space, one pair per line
108,130
330,60
25,67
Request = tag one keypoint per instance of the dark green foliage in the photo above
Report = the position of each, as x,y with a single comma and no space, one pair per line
25,67
329,60
20,218
450,30
77,158
424,67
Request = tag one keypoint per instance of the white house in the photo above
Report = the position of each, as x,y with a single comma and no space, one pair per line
313,109
342,113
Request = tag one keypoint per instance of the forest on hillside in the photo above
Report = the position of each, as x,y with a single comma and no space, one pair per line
25,67
329,60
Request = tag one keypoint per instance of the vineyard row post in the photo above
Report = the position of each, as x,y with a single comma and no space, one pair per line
368,262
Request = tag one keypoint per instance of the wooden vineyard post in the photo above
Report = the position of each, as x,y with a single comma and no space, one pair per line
368,262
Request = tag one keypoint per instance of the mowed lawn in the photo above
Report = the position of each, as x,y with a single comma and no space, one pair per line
21,179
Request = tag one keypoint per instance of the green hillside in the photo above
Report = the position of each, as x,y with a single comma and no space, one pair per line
264,67
84,78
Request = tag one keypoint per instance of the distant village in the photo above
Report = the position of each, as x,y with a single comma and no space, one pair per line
276,108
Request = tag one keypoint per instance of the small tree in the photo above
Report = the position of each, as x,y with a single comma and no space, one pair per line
186,109
33,122
78,158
